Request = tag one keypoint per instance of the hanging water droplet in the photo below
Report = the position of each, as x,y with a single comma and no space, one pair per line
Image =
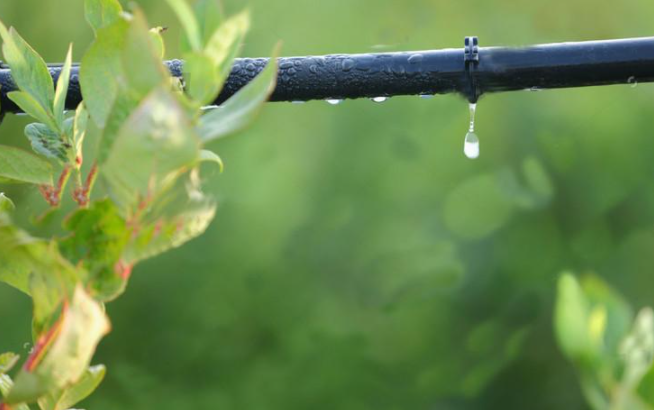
633,81
380,99
471,146
334,101
471,143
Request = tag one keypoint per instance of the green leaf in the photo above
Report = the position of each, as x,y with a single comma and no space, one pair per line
102,13
153,145
158,41
25,259
142,63
6,384
237,112
189,22
619,314
31,106
571,318
6,204
28,68
7,362
22,166
63,400
83,388
179,215
224,44
83,324
121,68
209,14
102,69
79,131
98,236
62,89
202,78
124,105
17,256
205,72
637,349
46,142
210,156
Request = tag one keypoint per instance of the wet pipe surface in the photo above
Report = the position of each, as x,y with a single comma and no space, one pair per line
341,76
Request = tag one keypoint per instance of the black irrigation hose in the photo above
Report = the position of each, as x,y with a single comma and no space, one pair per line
471,71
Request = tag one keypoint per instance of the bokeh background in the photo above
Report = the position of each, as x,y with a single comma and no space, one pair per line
359,260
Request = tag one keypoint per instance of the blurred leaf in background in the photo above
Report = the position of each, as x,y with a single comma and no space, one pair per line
592,326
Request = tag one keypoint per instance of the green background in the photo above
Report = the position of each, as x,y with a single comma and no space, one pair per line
358,259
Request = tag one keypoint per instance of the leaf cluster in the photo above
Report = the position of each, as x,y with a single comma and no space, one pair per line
151,135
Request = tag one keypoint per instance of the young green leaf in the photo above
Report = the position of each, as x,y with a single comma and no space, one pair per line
15,260
62,89
18,165
6,384
6,204
210,156
209,14
102,69
179,215
240,110
46,142
102,13
202,78
156,35
67,398
98,236
7,362
151,147
82,325
189,22
28,68
23,257
143,67
224,44
31,106
80,124
205,72
123,107
83,388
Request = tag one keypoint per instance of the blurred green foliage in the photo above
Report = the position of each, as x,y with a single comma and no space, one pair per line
612,351
358,260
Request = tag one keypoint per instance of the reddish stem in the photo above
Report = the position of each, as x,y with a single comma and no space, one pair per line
52,194
82,195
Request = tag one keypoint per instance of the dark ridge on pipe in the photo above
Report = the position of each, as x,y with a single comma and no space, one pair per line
547,66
